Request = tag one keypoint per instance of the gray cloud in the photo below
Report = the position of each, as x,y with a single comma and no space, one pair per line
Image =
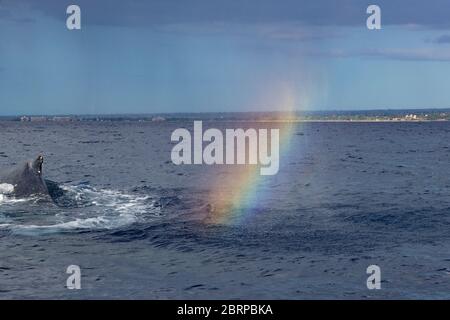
306,12
17,12
4,14
444,39
280,31
403,54
417,54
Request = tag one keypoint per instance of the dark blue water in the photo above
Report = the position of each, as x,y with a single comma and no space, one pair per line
347,195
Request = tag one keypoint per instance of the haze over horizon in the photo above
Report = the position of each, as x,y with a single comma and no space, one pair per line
215,56
290,113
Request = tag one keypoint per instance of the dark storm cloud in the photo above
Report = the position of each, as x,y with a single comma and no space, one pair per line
307,12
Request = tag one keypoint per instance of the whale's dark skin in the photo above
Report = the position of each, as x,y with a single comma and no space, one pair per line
27,179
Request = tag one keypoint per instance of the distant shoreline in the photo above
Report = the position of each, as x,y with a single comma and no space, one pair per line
388,115
238,120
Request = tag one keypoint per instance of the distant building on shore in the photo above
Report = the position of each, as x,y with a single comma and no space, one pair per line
158,119
411,117
32,119
43,119
62,119
38,119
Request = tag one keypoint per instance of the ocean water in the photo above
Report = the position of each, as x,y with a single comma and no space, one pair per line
347,195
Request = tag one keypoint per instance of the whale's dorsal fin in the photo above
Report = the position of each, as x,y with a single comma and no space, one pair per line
37,164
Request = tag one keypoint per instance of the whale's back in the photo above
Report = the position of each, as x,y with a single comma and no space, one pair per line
26,181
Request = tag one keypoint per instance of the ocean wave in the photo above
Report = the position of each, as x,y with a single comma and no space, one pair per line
80,207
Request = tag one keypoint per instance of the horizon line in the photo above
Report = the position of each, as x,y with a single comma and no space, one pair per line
216,112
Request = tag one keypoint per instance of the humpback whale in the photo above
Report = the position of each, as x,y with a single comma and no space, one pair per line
27,179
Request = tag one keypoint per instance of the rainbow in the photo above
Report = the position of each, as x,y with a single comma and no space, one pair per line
236,197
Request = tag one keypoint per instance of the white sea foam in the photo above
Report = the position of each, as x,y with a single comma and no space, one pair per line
6,197
96,223
92,209
6,188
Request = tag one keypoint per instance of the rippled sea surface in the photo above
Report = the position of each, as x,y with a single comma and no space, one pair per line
348,195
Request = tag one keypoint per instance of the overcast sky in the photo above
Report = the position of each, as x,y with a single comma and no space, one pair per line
229,55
